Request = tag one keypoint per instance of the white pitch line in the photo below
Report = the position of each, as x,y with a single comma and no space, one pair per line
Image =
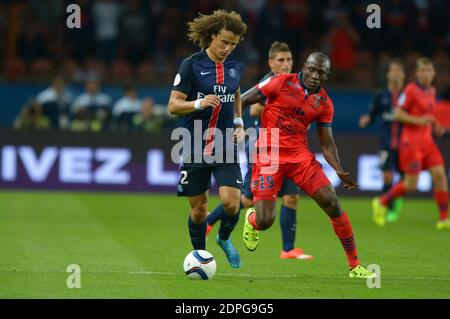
153,273
226,274
162,273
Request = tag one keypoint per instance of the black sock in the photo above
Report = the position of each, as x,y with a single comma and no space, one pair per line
197,233
227,224
288,223
215,215
386,188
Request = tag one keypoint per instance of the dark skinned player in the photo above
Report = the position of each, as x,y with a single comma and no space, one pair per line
293,102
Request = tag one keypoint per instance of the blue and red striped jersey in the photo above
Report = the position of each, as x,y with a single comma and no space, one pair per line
197,77
383,105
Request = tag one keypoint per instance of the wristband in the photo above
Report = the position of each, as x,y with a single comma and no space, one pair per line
238,121
197,105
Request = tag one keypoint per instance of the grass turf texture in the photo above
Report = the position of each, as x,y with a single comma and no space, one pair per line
133,246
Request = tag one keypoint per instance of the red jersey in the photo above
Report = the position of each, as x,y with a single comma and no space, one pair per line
291,108
417,101
442,113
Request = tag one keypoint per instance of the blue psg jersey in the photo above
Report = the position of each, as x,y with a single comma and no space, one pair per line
197,77
383,106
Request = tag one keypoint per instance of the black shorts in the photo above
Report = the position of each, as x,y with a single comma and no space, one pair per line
287,188
195,180
389,160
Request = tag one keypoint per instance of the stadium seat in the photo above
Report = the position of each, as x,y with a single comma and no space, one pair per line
441,60
145,72
121,71
363,73
15,69
41,68
70,67
96,66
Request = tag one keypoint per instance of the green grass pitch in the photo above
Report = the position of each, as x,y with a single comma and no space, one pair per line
133,246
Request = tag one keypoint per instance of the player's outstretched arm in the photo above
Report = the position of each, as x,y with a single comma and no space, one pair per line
256,109
251,96
179,106
404,117
374,111
330,154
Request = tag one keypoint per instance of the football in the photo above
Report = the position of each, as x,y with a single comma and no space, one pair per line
199,264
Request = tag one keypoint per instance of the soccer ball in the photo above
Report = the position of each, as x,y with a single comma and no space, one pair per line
199,264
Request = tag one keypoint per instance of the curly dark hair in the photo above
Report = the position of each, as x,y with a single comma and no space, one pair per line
204,26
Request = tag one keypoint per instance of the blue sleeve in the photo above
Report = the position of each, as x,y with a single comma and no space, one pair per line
375,108
184,80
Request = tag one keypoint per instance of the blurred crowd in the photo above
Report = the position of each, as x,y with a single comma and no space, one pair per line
145,40
92,111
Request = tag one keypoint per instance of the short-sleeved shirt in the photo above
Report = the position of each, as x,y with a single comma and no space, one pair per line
257,120
290,108
417,100
197,77
254,122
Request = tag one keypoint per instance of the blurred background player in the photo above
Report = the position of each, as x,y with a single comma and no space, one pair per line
148,120
280,62
442,112
32,118
418,151
126,108
206,91
294,101
55,102
383,105
92,109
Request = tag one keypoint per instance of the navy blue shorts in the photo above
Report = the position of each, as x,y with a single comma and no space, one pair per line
196,179
389,160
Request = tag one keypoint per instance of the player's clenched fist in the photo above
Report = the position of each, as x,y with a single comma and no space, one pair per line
439,130
348,182
210,100
364,121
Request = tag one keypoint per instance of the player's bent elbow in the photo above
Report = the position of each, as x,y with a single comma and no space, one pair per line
172,107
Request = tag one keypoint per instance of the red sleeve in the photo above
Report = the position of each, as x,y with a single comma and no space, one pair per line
270,86
405,100
326,118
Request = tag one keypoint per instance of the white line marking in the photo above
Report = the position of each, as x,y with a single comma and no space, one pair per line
166,273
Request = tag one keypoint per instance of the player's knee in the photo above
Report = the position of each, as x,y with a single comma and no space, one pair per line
199,213
411,185
231,207
333,207
290,201
440,181
265,222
